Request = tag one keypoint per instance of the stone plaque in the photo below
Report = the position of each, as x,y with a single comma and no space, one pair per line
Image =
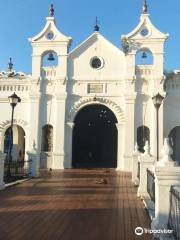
95,88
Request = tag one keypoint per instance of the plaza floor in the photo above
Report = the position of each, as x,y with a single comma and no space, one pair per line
73,205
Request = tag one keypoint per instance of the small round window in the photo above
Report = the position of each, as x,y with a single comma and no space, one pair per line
50,35
144,32
96,63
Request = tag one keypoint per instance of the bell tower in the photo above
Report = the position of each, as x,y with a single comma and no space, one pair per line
144,53
50,45
48,88
149,41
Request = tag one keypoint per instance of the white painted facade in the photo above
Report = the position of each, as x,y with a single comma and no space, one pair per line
55,95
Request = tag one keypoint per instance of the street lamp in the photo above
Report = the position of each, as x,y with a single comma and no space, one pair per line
13,100
157,100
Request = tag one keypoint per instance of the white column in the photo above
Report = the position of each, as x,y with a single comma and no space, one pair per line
135,161
36,66
59,139
2,158
129,130
167,174
165,178
146,162
68,144
34,156
34,126
120,146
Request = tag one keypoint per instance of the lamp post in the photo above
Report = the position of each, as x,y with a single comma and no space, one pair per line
13,100
157,100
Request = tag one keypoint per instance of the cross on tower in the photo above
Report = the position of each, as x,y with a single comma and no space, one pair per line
145,7
96,27
51,11
10,65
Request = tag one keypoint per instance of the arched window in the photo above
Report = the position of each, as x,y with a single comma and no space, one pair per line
143,135
49,59
174,139
47,138
144,57
18,148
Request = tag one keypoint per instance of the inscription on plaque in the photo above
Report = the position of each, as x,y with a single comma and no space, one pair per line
95,88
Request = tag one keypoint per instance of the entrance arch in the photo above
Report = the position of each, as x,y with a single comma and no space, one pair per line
95,134
18,149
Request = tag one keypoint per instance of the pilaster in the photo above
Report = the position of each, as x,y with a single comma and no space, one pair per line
129,130
34,127
68,144
120,146
59,138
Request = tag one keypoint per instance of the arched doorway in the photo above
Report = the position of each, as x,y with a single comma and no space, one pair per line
174,138
18,149
95,138
46,146
47,138
143,135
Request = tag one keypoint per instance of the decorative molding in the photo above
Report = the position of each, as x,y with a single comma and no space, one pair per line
19,122
100,100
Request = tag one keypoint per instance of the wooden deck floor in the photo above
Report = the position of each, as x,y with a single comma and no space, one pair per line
70,205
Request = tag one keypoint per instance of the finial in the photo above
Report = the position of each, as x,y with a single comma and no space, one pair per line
10,65
145,7
96,27
167,153
51,11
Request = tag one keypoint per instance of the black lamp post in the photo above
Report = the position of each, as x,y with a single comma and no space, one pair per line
13,100
157,100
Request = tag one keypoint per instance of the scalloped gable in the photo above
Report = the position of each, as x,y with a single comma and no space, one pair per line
96,36
146,22
50,26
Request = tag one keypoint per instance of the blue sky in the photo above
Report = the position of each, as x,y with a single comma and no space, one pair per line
21,19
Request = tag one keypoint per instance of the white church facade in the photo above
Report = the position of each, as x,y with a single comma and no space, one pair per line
89,106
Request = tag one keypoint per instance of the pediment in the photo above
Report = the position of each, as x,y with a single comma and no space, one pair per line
146,24
95,41
50,27
111,60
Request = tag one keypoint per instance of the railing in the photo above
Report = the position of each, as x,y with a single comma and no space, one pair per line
151,184
174,214
144,71
48,72
16,170
15,88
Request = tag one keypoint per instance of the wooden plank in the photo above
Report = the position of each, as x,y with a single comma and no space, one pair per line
70,205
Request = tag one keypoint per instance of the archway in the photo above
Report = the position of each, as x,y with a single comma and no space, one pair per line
46,146
174,137
18,149
95,138
47,138
143,135
144,57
